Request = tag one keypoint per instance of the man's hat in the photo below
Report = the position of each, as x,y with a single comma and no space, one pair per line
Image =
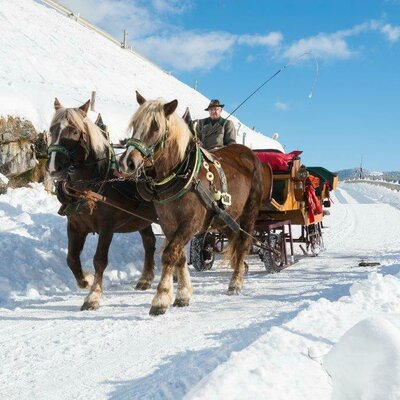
214,103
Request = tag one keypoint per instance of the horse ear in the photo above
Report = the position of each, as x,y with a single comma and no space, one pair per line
57,104
187,117
140,99
170,107
103,127
85,107
99,121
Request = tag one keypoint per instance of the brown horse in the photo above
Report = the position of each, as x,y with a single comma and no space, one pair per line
161,146
80,157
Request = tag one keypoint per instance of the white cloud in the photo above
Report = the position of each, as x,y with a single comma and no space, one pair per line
391,32
117,15
189,50
280,105
322,46
272,39
151,33
335,45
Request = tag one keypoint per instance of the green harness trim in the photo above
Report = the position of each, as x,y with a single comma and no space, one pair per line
176,184
56,148
188,185
70,154
143,149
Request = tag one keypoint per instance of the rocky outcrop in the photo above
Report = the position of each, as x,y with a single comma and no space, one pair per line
17,151
22,152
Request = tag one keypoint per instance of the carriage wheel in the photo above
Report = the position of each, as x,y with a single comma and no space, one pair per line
202,253
274,262
315,243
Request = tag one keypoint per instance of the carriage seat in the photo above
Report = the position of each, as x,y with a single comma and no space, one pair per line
279,162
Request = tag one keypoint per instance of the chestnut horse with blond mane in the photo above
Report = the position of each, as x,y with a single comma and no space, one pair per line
164,152
80,157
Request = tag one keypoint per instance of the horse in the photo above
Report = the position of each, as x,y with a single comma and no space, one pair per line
164,153
80,158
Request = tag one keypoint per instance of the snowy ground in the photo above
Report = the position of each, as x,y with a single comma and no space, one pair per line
282,339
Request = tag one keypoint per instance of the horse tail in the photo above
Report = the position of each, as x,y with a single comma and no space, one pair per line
240,243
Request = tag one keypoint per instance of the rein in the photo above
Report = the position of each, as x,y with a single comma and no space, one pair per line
90,196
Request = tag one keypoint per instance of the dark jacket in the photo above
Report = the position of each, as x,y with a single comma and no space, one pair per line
215,133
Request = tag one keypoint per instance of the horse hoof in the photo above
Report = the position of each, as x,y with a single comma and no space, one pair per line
90,306
157,310
143,285
181,303
234,291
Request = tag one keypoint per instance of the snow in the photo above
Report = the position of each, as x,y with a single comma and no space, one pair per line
290,335
357,363
57,57
325,328
366,192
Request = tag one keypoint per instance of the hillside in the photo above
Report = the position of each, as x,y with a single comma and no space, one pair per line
45,55
352,173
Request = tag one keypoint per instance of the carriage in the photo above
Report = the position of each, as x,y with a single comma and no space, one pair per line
298,196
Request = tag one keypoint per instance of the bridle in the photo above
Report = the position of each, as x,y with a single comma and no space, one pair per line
70,154
147,151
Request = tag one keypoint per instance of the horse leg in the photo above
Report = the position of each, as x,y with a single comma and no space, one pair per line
185,289
76,241
100,262
149,245
172,256
241,243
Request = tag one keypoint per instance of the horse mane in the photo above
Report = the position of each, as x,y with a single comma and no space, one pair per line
96,138
153,111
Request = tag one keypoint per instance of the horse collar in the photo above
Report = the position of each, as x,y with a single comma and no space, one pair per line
176,184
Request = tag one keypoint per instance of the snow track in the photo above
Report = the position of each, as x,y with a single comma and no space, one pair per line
49,349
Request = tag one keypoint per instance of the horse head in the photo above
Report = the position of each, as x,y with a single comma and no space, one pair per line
73,140
158,134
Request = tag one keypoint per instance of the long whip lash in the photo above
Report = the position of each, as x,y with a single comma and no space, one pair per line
278,72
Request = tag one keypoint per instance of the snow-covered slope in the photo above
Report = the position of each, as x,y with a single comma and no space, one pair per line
44,54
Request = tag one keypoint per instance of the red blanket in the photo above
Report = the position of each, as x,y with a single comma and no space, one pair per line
277,161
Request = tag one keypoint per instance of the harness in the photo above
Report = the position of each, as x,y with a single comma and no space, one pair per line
175,185
185,179
69,154
70,202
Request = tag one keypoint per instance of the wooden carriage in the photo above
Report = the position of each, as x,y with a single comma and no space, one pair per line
297,196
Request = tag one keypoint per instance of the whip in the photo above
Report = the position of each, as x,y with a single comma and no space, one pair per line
310,94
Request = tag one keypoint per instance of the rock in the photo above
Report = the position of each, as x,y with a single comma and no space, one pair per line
3,184
17,150
16,158
14,129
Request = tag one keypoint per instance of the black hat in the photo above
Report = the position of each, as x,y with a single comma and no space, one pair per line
214,103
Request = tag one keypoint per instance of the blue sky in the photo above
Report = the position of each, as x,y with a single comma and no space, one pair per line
230,47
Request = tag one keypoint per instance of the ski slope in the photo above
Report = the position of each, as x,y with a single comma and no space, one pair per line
280,339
